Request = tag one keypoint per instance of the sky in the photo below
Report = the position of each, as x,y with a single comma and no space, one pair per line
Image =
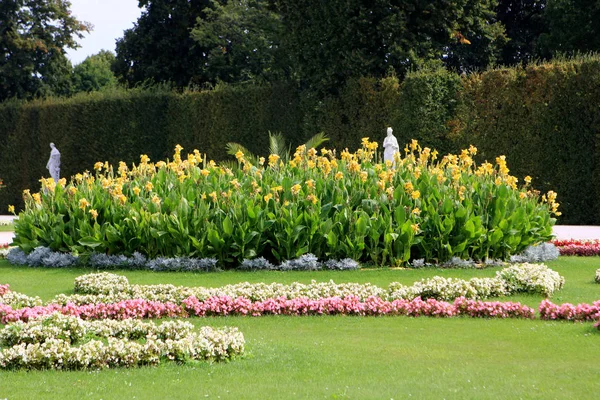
109,17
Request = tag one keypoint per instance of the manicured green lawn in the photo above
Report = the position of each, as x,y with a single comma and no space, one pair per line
349,357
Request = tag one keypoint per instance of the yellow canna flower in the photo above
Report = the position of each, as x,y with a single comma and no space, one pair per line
268,197
239,155
83,203
286,203
339,176
363,176
408,186
414,144
93,213
416,211
98,166
415,227
62,182
156,200
273,158
472,150
296,189
149,186
122,199
416,194
203,197
235,183
11,209
72,190
310,183
527,179
312,198
213,196
261,161
144,159
37,197
137,190
204,172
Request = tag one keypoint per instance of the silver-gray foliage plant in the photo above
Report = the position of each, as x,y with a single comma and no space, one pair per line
539,253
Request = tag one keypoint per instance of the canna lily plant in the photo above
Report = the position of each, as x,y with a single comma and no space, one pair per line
346,206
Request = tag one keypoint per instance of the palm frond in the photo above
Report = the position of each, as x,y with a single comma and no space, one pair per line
278,146
233,148
316,140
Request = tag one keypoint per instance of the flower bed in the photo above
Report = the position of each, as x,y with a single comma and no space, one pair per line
16,299
570,312
574,247
333,207
225,305
527,278
60,341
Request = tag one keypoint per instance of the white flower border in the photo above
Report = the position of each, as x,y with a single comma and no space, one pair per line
65,342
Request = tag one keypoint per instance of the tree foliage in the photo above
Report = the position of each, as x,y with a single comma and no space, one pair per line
94,73
523,21
242,39
159,47
336,40
572,26
33,37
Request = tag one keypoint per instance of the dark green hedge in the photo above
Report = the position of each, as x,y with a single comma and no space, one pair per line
122,125
544,118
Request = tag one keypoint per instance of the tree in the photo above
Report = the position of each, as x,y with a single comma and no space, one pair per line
572,26
94,73
159,47
334,40
523,22
33,37
242,38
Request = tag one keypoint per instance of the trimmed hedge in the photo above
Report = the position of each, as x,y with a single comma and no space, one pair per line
121,125
545,118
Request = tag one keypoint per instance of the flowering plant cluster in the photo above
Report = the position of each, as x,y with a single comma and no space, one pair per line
58,341
450,288
333,205
574,247
570,312
352,305
17,300
531,278
135,308
225,305
4,249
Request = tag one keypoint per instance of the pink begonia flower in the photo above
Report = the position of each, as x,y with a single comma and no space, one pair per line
350,305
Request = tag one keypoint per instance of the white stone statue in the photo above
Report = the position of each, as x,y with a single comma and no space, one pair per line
390,144
54,163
